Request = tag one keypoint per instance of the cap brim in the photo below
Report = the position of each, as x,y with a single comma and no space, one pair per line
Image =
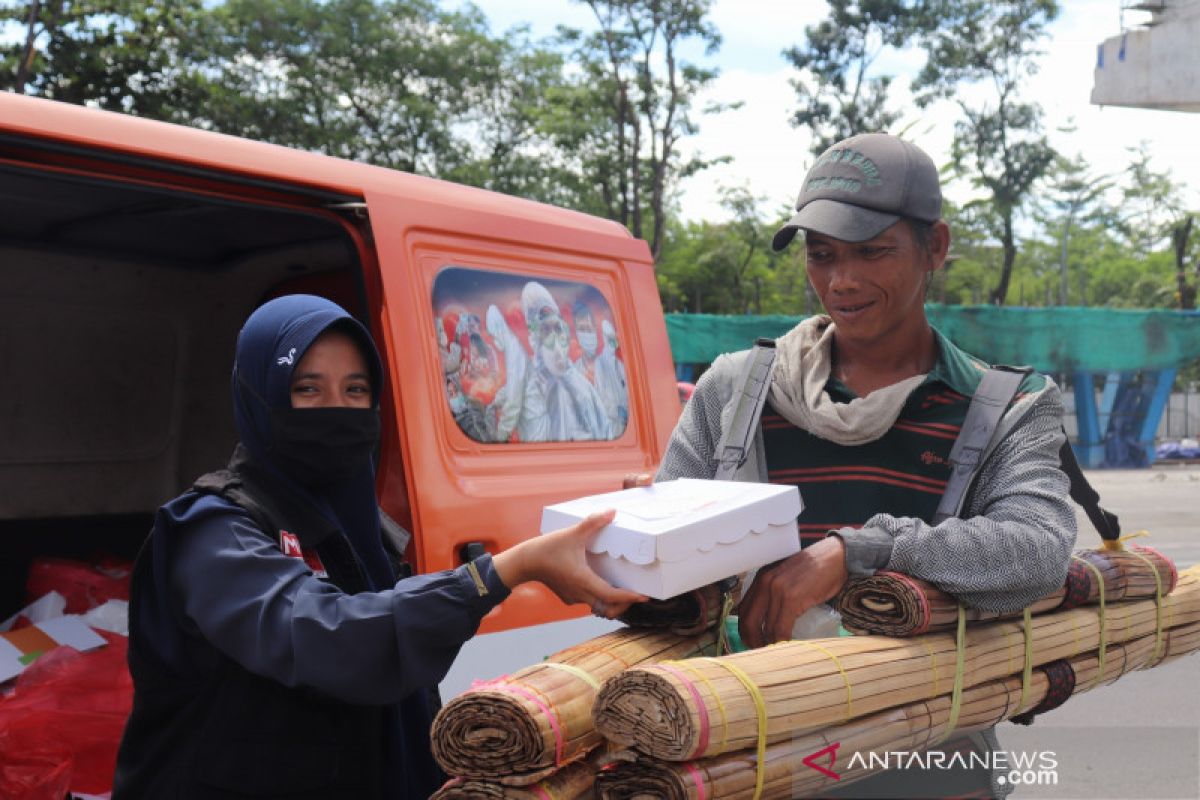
844,221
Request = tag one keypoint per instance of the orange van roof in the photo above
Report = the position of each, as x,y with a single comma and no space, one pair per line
120,133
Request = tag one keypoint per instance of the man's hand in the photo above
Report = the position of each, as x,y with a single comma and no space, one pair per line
634,480
782,591
559,560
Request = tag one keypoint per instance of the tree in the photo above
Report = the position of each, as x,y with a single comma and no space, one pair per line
1075,194
999,144
1154,212
838,94
973,254
1151,204
381,82
632,69
509,140
1179,239
729,267
119,55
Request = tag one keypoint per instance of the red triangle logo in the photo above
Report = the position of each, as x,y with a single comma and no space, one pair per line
831,751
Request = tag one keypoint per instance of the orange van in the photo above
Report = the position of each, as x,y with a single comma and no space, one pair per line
132,251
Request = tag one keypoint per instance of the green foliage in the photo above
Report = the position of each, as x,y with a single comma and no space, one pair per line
1152,203
839,95
118,55
382,82
594,120
510,124
729,268
1074,197
998,144
636,95
973,256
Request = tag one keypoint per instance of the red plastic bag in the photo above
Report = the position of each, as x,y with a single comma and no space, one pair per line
84,585
34,778
61,725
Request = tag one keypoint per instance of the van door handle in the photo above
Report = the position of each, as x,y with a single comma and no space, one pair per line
471,551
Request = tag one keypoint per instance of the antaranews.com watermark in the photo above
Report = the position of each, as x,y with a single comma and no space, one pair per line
1046,762
1015,768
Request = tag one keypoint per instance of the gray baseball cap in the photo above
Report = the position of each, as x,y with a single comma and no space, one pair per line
862,186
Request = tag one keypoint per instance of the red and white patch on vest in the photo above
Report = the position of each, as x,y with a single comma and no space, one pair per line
289,543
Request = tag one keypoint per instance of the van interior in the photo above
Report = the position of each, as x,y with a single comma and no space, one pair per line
120,306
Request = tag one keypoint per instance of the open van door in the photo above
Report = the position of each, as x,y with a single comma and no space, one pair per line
501,409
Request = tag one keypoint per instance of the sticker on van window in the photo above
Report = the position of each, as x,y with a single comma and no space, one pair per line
529,360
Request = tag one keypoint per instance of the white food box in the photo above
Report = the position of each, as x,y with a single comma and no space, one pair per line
675,536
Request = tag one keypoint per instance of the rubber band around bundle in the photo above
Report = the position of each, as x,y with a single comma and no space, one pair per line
720,705
845,677
1027,673
727,603
701,709
697,780
574,670
1103,616
587,651
1158,595
760,708
1060,686
502,685
960,658
1168,563
544,792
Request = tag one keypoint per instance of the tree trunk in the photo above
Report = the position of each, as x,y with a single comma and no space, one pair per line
1179,237
26,64
635,177
1000,293
1064,286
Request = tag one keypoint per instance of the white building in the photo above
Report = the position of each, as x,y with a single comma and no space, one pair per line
1154,63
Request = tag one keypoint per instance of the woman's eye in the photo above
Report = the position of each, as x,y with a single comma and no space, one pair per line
359,389
303,388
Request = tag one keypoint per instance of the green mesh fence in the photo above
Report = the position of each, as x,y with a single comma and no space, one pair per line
1049,339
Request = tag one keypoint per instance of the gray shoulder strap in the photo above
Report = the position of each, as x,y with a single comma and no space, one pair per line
992,397
750,393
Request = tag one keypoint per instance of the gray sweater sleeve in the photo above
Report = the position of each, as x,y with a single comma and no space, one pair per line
1013,542
268,612
690,451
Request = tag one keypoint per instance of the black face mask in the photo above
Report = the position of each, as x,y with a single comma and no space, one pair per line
319,446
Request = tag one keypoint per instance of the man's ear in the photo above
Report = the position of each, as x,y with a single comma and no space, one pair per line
939,245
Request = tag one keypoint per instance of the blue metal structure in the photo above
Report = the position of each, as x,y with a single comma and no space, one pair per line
1120,433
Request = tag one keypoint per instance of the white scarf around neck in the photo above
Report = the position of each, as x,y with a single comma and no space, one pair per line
803,362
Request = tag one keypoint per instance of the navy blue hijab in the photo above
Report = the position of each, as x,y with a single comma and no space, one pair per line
269,347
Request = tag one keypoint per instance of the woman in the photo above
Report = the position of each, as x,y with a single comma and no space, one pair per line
272,649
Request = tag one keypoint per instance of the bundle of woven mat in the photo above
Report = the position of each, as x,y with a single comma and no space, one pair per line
653,713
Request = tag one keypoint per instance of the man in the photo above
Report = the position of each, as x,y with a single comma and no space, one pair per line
588,338
601,366
611,381
864,406
546,400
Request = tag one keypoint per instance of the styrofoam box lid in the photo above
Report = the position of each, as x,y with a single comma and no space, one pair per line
673,520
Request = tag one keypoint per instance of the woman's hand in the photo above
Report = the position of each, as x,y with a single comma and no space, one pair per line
559,560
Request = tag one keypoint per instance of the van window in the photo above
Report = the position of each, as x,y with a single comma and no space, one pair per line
528,359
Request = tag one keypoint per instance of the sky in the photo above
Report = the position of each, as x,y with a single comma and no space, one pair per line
770,157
